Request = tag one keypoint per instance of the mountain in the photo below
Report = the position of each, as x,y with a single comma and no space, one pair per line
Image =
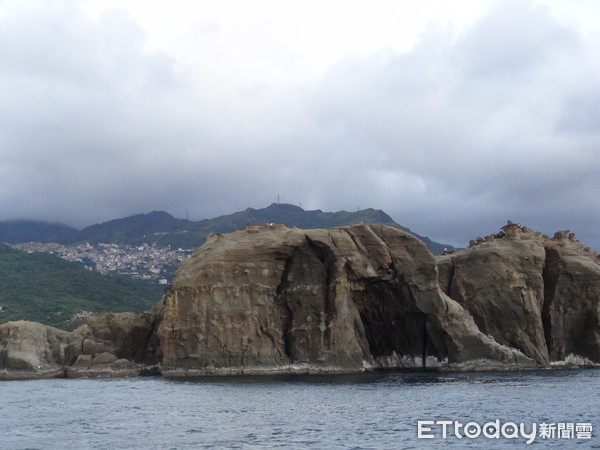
132,230
163,229
44,288
17,231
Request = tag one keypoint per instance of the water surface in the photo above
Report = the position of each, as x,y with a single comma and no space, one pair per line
341,411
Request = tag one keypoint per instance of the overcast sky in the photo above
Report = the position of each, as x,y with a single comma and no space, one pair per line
452,117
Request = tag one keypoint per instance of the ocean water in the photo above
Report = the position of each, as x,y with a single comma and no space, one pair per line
342,411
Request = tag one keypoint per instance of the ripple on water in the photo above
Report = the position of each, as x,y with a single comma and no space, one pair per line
356,411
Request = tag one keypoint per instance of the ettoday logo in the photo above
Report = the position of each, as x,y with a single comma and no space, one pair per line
444,429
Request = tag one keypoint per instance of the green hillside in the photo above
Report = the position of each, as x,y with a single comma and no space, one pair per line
44,288
163,229
132,230
16,231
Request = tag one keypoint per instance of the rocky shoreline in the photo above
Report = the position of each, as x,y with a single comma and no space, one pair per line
276,300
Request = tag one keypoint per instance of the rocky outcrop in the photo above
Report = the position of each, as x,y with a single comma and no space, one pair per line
110,345
274,299
128,336
33,350
571,309
530,292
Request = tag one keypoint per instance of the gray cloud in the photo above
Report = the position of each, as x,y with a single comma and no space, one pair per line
512,41
472,125
451,138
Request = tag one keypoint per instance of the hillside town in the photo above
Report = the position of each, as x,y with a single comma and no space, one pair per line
147,262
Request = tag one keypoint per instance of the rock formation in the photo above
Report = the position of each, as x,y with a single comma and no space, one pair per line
530,292
33,350
272,299
275,299
110,345
571,309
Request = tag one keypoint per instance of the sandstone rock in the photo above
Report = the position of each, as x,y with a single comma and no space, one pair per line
33,350
104,358
99,348
529,292
571,311
271,299
118,368
274,299
126,335
500,283
92,347
83,362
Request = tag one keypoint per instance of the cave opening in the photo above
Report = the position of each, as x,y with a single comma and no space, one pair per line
393,323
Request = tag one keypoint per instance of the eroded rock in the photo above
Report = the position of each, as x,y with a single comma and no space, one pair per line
530,292
33,350
274,299
271,299
571,311
112,345
125,335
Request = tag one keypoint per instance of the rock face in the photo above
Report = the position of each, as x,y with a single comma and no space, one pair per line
109,345
571,310
33,350
530,292
274,299
271,299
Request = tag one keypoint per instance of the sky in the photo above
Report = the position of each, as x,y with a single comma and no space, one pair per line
452,117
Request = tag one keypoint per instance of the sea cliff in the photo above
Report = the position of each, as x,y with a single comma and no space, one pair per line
271,299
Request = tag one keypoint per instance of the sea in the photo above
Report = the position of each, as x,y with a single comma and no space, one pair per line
531,409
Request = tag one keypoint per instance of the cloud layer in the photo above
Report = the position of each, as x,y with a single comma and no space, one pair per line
451,137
